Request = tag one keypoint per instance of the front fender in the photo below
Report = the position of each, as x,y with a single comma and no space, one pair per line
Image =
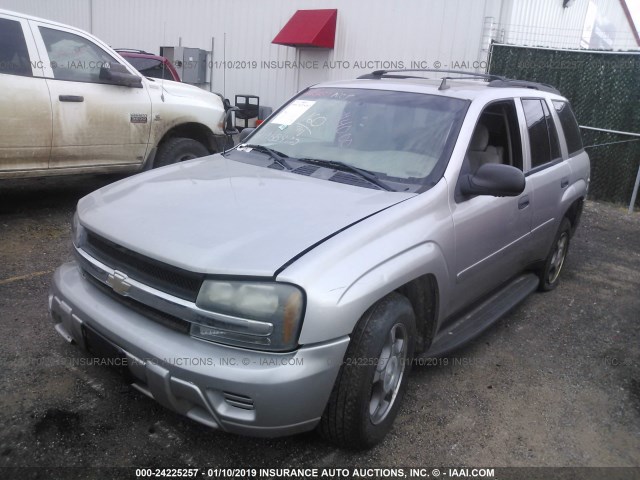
348,273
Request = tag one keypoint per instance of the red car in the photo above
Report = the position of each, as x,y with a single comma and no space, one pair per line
150,65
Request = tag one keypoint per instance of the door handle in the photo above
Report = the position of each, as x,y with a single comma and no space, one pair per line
523,202
564,182
71,98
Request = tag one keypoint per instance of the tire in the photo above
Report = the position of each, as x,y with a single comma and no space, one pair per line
371,384
550,273
179,149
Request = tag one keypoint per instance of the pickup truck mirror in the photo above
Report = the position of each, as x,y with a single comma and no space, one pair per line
117,74
229,127
493,179
244,134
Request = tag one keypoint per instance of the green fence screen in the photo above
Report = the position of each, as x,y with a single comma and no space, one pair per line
604,90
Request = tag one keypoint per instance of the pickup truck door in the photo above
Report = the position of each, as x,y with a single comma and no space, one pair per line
94,124
491,234
25,120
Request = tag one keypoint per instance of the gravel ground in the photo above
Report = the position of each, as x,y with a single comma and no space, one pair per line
555,383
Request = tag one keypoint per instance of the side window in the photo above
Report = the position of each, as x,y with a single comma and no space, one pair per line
496,138
543,137
74,57
14,56
569,126
553,132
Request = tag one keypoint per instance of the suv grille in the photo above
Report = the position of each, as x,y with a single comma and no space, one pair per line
167,278
157,316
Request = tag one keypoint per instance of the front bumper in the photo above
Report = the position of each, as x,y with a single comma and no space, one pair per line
236,390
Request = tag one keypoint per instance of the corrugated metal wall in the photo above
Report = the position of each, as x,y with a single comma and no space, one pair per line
72,12
455,33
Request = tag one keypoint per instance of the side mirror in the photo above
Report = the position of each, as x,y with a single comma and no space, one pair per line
117,74
244,134
494,179
229,127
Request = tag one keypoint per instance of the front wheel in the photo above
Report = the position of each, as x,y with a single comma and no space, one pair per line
373,378
179,149
550,273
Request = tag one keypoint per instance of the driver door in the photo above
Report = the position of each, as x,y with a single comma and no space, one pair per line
492,234
94,123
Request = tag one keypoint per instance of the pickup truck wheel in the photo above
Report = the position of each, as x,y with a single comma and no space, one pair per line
550,274
373,377
179,149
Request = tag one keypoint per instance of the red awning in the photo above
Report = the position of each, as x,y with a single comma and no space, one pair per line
309,28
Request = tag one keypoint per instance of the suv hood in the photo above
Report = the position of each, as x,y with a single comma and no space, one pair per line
220,216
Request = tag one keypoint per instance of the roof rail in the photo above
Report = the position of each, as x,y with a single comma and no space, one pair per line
378,74
508,83
494,80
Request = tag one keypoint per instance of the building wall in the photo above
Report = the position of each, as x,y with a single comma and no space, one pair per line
371,34
545,23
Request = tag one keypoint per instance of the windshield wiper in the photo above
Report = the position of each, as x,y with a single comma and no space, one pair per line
277,157
366,174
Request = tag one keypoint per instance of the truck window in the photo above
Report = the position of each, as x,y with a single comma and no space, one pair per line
569,126
496,138
543,136
73,57
14,56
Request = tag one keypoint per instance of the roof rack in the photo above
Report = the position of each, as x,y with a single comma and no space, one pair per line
508,83
496,81
378,74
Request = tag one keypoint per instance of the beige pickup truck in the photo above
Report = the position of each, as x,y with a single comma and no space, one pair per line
71,104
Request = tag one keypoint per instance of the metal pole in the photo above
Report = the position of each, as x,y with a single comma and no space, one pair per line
631,134
211,66
635,191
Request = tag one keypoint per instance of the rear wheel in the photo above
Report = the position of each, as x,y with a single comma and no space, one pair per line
372,381
179,149
550,274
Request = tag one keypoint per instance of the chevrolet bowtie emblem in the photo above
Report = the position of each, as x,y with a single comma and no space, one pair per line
118,281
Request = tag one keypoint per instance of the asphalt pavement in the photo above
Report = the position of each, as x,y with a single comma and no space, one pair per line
555,383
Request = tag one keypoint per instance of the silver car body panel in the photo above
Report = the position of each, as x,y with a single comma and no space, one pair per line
233,389
219,216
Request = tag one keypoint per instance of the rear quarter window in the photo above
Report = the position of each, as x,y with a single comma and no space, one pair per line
543,137
569,126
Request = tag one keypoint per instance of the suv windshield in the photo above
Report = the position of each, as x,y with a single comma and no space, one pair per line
398,136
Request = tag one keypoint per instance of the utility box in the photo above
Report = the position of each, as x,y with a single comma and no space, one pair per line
191,63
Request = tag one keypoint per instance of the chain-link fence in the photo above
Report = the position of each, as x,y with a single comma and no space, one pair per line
604,90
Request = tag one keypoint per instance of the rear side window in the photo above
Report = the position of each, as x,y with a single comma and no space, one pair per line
543,137
14,56
569,126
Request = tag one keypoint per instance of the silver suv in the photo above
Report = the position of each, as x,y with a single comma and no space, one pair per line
289,283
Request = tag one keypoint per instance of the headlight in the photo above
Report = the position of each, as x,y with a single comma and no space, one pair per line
265,315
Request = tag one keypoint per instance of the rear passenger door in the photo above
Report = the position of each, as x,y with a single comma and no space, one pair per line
547,173
25,107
